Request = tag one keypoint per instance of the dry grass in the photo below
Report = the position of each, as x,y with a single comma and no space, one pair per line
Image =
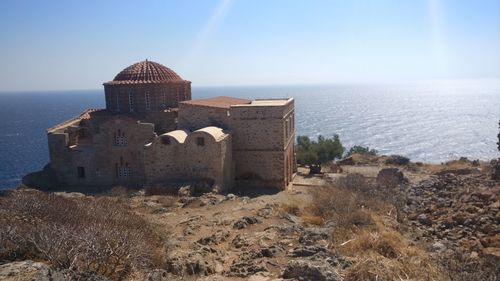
100,235
455,165
120,191
363,233
413,266
309,219
167,201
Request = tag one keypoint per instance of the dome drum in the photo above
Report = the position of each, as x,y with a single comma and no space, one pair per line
145,87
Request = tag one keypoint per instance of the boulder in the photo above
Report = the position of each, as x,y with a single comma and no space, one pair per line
265,212
185,191
271,251
216,238
241,241
30,270
390,177
248,263
306,270
205,261
244,222
306,251
311,235
397,160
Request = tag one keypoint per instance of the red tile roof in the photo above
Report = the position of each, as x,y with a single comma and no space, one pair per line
145,72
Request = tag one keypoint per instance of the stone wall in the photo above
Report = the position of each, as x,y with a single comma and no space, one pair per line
164,121
193,117
263,143
146,97
97,159
169,159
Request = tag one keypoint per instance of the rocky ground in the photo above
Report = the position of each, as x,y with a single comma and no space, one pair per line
444,211
230,237
456,213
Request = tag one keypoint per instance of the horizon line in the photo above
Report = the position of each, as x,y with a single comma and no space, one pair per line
278,84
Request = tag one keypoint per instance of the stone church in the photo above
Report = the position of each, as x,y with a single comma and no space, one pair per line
152,133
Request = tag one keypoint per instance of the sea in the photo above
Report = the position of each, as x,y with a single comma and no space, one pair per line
430,121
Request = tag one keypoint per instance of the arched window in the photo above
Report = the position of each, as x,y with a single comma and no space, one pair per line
122,169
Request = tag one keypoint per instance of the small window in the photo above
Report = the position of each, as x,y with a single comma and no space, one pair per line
120,138
117,102
81,172
200,141
130,102
122,169
165,140
147,101
163,100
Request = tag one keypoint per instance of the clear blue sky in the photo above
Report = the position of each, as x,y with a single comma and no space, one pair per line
68,44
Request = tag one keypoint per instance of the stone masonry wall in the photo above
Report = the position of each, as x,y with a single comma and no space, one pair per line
161,96
164,121
104,162
263,141
193,117
173,161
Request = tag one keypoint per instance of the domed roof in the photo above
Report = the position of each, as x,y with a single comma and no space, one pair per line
145,72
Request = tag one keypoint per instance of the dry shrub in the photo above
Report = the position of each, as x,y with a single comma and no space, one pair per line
344,206
98,235
350,211
361,216
386,256
385,243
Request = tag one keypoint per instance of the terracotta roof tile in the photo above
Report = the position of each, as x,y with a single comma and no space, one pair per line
145,72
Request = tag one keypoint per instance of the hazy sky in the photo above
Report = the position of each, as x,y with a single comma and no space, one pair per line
81,44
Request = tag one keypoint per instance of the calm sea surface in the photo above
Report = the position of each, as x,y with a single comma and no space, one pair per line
427,121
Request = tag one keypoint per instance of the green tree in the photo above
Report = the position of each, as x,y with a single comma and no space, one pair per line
361,150
315,153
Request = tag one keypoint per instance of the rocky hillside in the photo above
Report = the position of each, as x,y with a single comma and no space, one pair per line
376,220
